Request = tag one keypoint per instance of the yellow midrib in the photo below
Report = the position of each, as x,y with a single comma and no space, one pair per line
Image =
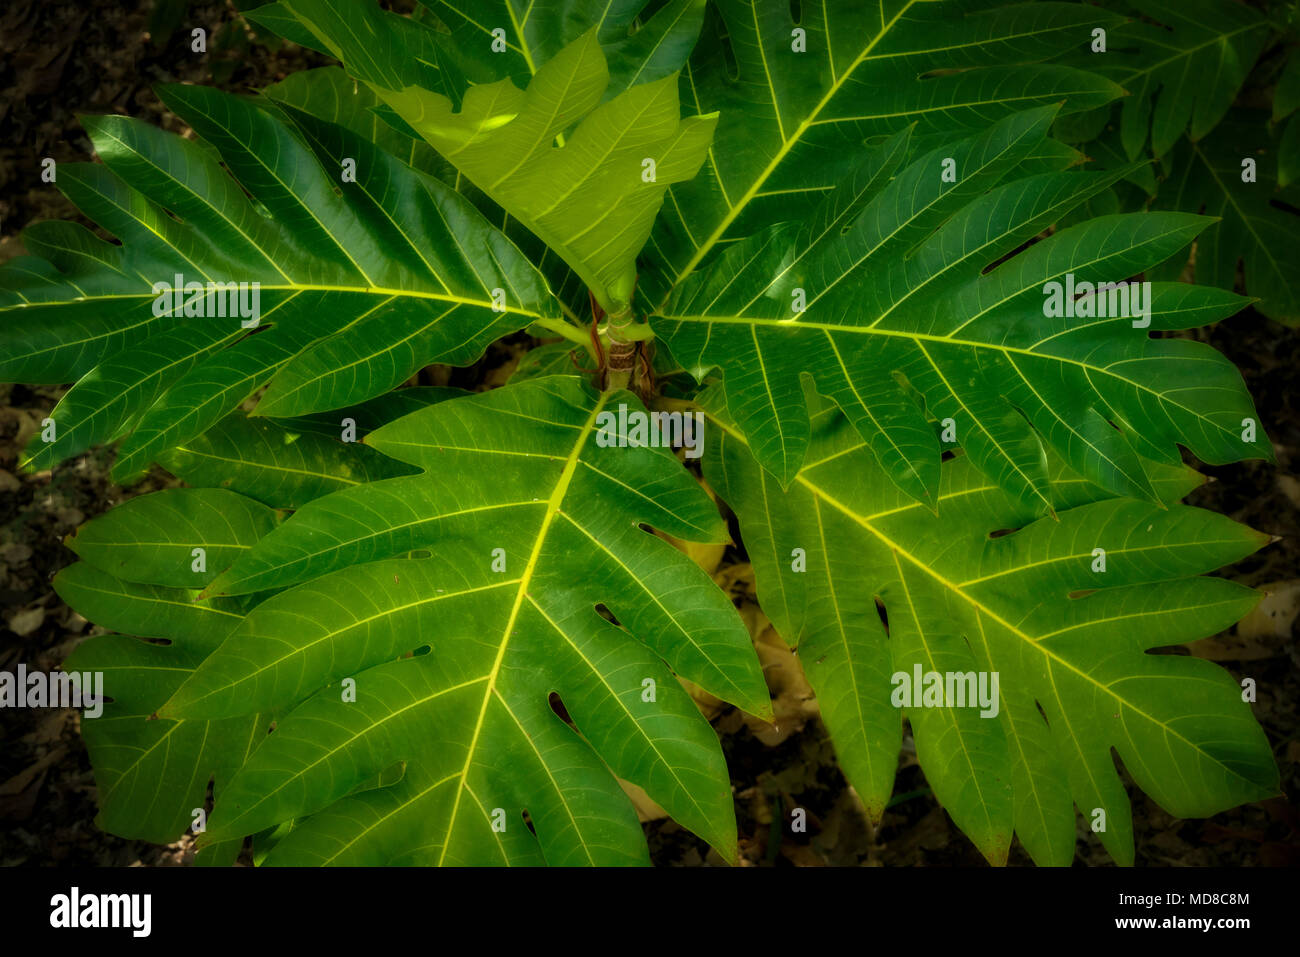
919,337
956,589
332,634
296,287
786,146
552,509
982,803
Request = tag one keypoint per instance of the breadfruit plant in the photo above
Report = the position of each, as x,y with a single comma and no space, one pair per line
1214,87
833,264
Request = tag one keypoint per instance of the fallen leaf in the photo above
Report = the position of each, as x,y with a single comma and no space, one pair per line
25,622
1275,615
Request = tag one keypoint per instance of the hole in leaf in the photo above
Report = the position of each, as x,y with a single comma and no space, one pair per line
943,71
528,822
796,11
1002,531
1080,593
561,712
1015,252
604,612
883,613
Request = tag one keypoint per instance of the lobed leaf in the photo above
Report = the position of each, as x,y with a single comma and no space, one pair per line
1257,224
959,594
639,48
797,100
585,175
1182,63
901,281
533,527
155,539
360,283
153,773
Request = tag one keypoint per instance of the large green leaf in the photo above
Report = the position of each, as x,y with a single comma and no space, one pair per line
361,283
153,539
285,463
567,164
962,595
152,773
328,93
639,49
1182,65
893,270
793,120
519,470
281,466
1258,227
467,634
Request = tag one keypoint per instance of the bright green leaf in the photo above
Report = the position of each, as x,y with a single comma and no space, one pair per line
522,557
962,596
889,282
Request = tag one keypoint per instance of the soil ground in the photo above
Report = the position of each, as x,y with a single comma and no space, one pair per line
58,59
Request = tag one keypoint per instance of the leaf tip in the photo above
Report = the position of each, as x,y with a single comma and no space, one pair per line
763,710
997,851
219,587
873,807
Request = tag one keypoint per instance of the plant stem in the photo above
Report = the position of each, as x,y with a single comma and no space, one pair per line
568,331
